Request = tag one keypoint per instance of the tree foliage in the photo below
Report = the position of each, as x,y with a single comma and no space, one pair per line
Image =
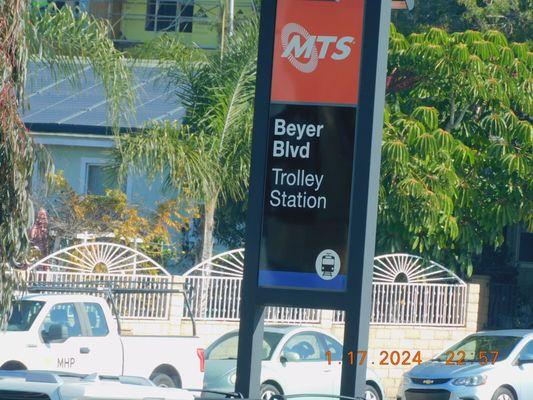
66,42
512,17
457,146
207,157
71,214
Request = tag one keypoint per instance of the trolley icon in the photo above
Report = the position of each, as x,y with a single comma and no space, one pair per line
328,265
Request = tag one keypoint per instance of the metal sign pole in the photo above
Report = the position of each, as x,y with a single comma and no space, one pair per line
315,171
365,192
251,312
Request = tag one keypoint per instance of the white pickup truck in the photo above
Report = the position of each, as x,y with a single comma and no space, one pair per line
43,385
78,334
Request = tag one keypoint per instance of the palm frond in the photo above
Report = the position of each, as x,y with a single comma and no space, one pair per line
68,42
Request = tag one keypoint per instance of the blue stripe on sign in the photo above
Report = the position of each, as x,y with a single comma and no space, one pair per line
302,280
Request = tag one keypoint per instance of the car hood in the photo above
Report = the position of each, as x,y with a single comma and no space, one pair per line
433,369
217,373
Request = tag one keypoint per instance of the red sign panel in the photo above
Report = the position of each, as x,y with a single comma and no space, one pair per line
317,51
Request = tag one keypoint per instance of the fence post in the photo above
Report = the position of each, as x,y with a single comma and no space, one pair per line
176,304
326,319
478,302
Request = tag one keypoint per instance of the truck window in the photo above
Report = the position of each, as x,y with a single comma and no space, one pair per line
97,321
65,315
23,314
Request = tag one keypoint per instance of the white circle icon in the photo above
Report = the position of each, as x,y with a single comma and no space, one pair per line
328,264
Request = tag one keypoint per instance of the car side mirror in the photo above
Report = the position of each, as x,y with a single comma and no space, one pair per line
288,356
56,333
525,359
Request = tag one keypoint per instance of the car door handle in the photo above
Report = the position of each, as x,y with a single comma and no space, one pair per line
31,345
85,350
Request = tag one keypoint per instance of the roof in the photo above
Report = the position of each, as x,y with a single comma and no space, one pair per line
77,298
507,332
56,106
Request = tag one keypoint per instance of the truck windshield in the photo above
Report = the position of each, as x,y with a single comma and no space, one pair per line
23,314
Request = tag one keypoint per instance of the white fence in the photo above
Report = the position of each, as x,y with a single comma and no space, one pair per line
223,298
416,304
97,265
407,290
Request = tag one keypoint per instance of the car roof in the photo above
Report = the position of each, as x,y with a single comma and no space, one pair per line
507,332
286,329
66,298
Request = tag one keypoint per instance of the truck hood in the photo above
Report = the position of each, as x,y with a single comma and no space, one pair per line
439,370
13,338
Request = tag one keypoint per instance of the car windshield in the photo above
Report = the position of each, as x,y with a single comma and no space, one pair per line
226,348
478,348
23,314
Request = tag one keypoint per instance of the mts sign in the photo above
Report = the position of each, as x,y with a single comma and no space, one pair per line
297,43
317,48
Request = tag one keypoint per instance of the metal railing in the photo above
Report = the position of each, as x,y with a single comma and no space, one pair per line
223,296
392,303
147,305
416,304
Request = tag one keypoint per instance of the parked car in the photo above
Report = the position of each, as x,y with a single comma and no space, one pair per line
78,333
19,385
294,362
492,365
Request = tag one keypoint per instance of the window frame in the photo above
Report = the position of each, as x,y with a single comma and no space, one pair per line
86,162
152,20
325,337
80,320
322,349
89,329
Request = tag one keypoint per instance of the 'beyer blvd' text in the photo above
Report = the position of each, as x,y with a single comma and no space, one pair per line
284,148
297,181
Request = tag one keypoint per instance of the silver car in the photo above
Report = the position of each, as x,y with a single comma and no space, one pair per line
492,365
294,362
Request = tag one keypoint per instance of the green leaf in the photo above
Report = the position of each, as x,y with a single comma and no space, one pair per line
429,116
495,125
426,144
495,37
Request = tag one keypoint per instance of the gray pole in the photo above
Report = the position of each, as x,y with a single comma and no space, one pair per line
365,191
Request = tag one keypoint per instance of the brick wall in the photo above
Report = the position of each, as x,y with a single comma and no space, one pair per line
427,340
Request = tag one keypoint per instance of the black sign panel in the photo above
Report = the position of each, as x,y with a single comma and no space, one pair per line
307,197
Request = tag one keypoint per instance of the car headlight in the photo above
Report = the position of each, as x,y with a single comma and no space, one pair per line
233,378
470,380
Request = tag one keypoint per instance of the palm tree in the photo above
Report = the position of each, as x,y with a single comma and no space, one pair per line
64,40
206,158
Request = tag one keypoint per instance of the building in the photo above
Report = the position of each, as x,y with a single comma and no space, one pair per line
73,125
193,21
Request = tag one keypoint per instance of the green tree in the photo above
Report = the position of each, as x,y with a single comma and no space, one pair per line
64,41
207,157
457,144
512,17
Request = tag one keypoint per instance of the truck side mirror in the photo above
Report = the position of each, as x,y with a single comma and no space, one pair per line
56,333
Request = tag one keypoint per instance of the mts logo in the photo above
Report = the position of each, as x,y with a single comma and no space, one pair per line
304,50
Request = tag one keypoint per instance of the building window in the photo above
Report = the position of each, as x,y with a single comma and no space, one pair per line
164,15
97,180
